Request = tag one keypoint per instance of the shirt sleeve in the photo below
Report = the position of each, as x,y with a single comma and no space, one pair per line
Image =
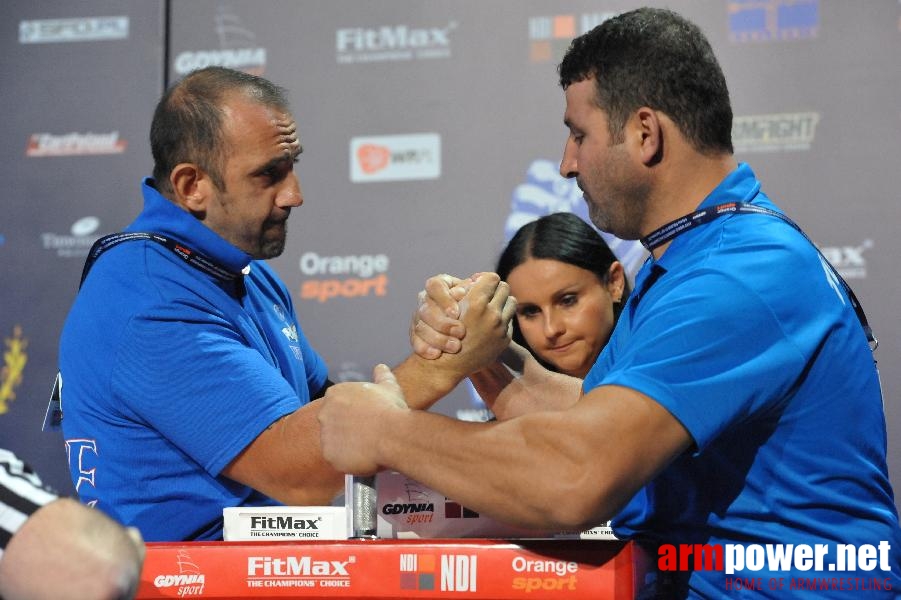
679,355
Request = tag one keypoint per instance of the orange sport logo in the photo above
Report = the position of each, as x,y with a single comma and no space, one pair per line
351,276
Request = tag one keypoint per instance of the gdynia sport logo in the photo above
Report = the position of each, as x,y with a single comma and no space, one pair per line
785,566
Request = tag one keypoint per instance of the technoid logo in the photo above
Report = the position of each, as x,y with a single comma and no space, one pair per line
90,29
773,20
73,144
237,49
393,43
407,157
549,37
351,276
775,132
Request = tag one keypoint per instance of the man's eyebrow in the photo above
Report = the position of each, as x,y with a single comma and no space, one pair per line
277,161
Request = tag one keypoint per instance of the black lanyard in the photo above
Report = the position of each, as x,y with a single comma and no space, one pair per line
54,415
674,228
192,257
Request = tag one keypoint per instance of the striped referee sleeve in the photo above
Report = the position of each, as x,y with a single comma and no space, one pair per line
21,493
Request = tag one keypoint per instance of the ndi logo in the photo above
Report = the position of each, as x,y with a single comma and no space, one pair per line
455,572
549,36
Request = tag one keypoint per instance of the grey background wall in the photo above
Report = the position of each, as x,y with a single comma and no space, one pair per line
431,130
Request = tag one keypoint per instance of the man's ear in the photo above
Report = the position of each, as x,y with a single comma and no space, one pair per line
191,186
650,133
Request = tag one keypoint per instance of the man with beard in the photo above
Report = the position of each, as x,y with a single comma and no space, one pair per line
186,378
727,411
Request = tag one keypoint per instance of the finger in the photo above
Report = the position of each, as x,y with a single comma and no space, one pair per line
483,290
431,316
424,335
509,309
438,290
383,376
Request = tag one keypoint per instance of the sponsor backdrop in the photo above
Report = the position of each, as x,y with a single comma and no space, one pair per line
431,131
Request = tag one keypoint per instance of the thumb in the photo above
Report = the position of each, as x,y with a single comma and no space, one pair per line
382,375
516,357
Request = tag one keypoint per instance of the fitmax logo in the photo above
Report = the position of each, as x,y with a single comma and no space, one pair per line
284,523
296,566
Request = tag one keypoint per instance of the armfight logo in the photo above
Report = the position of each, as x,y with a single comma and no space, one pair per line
352,276
89,29
237,48
773,20
774,132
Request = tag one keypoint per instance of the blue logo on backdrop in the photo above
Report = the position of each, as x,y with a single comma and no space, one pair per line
773,20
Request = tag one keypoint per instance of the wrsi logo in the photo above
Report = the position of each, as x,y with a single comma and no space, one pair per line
547,575
775,132
773,20
549,37
14,361
392,43
189,580
73,144
361,275
395,157
449,572
90,29
237,48
298,572
77,244
849,261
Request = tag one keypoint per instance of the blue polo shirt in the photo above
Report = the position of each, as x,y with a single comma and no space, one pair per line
741,332
170,372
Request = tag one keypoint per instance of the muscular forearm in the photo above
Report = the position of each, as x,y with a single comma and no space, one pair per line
523,472
424,382
285,462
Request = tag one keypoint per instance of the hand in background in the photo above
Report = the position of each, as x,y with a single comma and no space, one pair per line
517,384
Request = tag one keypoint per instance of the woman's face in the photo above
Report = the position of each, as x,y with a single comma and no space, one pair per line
565,312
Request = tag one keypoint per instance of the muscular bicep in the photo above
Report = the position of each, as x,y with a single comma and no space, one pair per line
630,438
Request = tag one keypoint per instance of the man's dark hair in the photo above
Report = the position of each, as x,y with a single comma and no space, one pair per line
563,237
656,58
188,121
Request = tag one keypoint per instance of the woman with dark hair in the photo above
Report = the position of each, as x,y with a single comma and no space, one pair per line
569,289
